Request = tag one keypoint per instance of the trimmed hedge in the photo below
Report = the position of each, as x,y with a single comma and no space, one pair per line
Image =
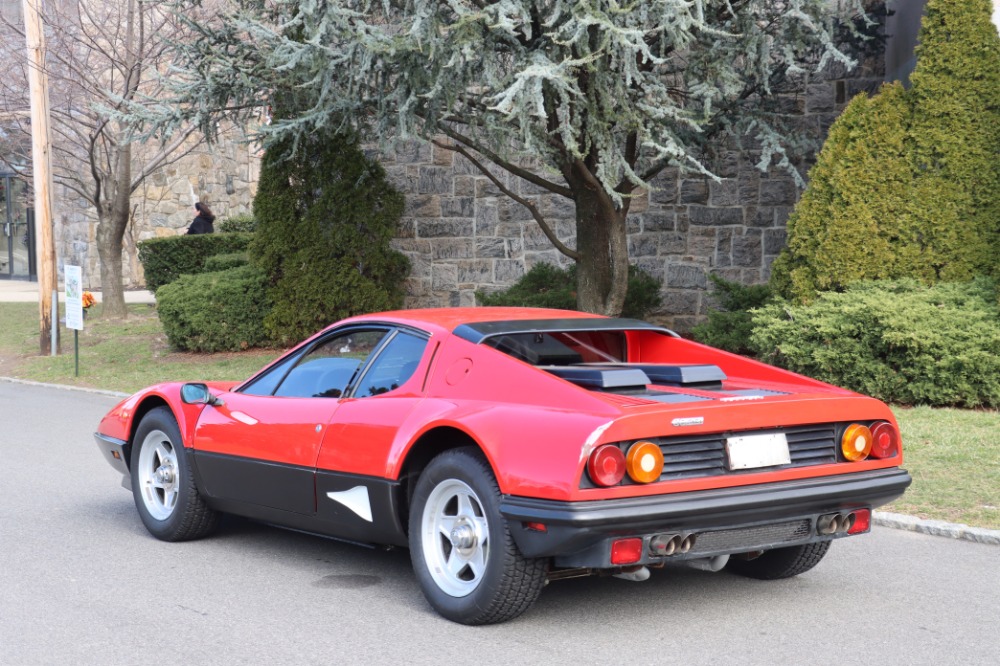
242,223
210,312
166,259
223,262
900,341
548,286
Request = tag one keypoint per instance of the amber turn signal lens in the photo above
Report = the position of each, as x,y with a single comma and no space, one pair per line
856,443
644,462
885,440
606,465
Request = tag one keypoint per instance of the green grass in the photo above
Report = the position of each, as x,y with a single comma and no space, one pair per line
954,458
953,454
123,355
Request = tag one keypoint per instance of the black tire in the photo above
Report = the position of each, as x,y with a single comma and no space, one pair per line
780,562
163,484
506,583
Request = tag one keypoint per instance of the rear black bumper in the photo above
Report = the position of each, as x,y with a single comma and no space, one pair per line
579,533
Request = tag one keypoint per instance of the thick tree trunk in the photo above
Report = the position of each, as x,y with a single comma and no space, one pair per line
602,267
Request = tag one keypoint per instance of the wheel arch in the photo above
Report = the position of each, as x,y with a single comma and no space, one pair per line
148,404
428,446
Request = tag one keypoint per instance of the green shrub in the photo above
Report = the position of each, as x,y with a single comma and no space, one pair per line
223,262
729,327
548,286
900,341
210,312
242,223
906,184
166,259
325,217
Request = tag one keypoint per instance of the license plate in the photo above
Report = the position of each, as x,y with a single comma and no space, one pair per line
752,451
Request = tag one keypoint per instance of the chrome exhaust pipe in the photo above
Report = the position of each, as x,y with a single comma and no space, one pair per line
828,524
687,544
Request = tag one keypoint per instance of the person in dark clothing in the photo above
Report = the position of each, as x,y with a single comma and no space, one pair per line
203,222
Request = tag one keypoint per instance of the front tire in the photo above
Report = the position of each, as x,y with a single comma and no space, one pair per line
163,484
780,562
464,557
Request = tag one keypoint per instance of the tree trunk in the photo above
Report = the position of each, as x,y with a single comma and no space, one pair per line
112,221
602,267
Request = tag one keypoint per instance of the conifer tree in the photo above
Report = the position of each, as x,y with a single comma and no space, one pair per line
908,182
585,99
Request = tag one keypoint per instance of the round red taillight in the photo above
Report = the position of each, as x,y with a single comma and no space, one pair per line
606,465
885,440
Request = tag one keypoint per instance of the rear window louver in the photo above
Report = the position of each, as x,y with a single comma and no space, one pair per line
625,376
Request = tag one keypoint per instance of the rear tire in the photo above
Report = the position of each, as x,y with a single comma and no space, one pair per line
163,484
781,562
464,557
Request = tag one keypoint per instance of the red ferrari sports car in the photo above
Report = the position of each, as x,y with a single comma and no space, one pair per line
508,447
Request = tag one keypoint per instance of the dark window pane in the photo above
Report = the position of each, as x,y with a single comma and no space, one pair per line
393,367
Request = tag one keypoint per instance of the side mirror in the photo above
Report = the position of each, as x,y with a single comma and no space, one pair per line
198,394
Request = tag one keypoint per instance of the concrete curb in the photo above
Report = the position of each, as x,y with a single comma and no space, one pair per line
881,518
64,387
937,528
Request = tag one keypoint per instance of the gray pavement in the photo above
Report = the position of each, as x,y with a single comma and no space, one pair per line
82,582
20,291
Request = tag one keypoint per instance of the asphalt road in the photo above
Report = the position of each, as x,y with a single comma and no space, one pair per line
82,582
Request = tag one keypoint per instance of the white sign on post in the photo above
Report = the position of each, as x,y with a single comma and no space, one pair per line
73,276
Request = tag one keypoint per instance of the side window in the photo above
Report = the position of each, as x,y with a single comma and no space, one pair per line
395,364
266,383
326,370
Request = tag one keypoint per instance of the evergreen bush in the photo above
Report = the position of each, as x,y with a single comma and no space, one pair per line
325,217
548,286
729,326
211,312
908,182
241,223
166,259
900,341
223,262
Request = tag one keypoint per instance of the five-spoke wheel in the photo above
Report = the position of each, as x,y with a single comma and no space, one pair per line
162,483
463,554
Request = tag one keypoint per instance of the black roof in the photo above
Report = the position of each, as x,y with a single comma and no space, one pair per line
480,331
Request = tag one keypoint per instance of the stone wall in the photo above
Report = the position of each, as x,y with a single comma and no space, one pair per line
462,235
223,176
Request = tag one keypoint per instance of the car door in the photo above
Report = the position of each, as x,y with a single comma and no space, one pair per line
260,445
351,488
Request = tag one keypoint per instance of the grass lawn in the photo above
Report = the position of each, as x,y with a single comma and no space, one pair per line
114,355
953,454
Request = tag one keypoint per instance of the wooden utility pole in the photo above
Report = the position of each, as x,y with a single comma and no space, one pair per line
41,167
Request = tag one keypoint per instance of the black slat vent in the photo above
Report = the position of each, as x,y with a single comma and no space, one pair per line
705,455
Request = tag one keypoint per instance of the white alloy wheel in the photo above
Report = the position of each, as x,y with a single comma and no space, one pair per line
158,475
455,538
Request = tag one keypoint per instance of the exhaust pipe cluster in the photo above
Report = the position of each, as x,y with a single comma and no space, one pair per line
835,523
665,545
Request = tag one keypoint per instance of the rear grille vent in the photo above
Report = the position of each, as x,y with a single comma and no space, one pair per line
751,538
705,455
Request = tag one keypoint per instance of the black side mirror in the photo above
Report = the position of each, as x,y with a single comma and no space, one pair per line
198,394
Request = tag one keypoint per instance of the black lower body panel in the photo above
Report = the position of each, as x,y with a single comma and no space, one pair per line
735,519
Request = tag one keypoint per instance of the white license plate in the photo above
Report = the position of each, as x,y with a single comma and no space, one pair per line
752,451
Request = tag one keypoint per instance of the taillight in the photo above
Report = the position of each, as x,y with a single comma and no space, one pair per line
606,465
856,442
862,521
644,462
885,440
626,551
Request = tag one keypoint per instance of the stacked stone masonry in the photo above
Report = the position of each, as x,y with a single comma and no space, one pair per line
463,235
